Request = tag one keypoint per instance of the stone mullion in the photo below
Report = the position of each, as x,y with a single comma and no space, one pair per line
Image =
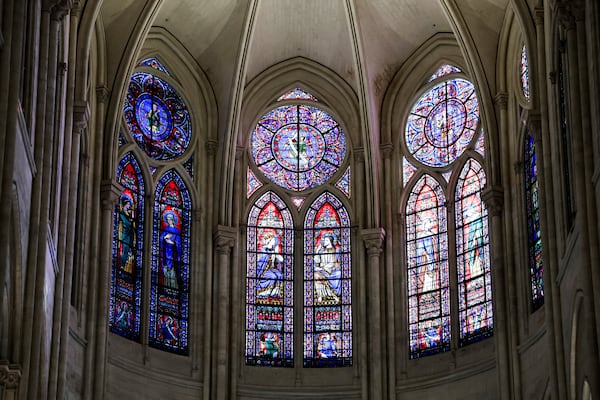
6,65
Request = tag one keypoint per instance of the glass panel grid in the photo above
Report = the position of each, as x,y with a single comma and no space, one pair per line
534,231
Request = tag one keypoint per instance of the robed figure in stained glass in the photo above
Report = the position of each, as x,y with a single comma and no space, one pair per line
126,233
170,250
475,237
327,272
269,267
426,249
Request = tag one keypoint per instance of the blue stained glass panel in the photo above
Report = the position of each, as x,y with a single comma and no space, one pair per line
189,166
442,123
157,117
327,284
534,230
127,251
298,147
269,284
473,256
170,279
344,183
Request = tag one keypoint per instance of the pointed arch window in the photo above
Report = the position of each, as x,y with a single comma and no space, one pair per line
301,148
534,231
127,250
444,177
524,72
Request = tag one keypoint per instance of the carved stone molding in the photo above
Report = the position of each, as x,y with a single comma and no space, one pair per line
110,191
10,375
81,116
534,126
373,239
61,9
102,94
239,152
538,13
359,154
565,16
501,100
552,77
211,147
224,238
387,149
493,197
518,167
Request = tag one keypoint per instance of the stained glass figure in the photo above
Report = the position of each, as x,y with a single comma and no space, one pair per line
473,256
189,166
297,94
127,251
524,72
327,284
252,183
170,280
298,201
534,230
408,170
480,145
269,284
157,117
298,147
154,63
122,140
442,123
427,252
344,183
444,70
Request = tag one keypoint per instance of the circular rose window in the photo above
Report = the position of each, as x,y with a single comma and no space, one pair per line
298,147
442,123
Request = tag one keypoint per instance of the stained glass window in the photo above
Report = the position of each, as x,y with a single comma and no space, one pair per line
189,166
565,139
298,147
534,231
154,63
524,72
480,145
443,122
344,183
427,254
473,255
408,170
444,70
127,251
252,183
157,117
327,285
269,284
170,280
298,201
297,94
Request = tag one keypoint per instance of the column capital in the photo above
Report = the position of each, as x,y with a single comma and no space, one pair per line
102,94
61,9
81,116
565,16
501,100
538,13
10,375
534,126
110,191
239,152
212,146
224,238
373,239
359,154
387,149
493,197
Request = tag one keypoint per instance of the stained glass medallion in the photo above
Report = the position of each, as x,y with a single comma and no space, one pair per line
127,251
297,93
445,69
473,256
154,63
269,284
442,123
534,231
327,284
252,183
524,72
157,117
344,183
170,279
298,201
428,284
298,147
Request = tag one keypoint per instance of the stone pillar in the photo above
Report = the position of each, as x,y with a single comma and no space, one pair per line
224,240
493,197
373,240
10,378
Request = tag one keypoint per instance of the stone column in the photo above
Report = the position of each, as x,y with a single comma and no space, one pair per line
493,197
373,240
109,194
224,240
10,378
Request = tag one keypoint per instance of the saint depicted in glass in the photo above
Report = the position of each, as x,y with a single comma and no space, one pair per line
427,252
298,147
473,255
157,117
269,284
327,292
126,277
443,122
534,230
169,293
